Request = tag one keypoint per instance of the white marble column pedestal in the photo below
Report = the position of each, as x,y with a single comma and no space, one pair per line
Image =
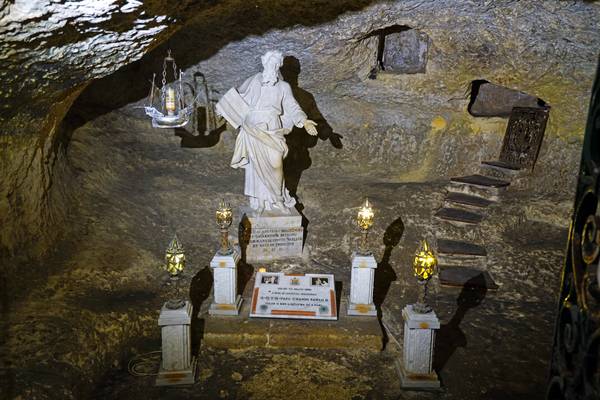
177,366
226,301
362,280
416,369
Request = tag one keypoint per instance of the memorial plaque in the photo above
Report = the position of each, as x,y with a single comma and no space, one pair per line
301,296
272,236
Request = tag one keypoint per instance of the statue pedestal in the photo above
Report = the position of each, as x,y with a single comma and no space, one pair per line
177,366
416,370
226,301
271,235
361,285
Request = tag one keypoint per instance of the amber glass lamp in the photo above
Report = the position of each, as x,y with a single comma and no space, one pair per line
224,217
424,266
175,264
364,220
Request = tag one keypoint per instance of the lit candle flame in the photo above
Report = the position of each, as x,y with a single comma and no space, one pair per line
224,215
425,262
170,101
365,216
175,257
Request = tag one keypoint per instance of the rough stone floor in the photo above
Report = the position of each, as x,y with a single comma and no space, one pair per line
71,330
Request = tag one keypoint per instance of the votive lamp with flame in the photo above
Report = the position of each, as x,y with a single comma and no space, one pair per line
175,264
224,217
424,266
364,220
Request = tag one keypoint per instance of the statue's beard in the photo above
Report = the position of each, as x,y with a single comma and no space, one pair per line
269,77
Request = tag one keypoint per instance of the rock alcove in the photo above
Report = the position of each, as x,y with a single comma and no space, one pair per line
91,195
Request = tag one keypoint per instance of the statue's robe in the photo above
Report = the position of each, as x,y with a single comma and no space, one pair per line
265,113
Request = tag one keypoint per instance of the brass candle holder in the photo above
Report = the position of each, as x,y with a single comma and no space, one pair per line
175,264
224,217
364,220
424,266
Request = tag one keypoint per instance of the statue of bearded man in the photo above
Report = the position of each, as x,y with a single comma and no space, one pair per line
265,110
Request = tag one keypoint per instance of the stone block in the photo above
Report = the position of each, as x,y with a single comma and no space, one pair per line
177,366
271,235
361,285
242,332
405,51
416,370
226,301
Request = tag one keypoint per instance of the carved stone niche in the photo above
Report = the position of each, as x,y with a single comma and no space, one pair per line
403,50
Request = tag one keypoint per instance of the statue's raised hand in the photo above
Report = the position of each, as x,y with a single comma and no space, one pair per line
311,127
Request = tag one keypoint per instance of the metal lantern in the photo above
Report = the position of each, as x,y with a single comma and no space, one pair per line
174,264
364,220
224,217
167,105
424,266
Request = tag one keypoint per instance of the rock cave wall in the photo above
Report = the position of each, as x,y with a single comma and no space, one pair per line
399,127
68,151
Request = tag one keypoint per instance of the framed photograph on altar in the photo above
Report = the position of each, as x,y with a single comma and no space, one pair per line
270,279
319,281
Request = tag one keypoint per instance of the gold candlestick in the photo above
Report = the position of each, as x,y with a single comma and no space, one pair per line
364,219
424,266
224,217
174,264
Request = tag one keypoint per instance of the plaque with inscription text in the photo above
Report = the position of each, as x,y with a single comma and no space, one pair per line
301,296
271,235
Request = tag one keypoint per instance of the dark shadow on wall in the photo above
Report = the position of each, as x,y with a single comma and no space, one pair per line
211,28
298,140
450,336
385,274
199,291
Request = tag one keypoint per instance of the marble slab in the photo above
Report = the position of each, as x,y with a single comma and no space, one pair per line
296,296
271,235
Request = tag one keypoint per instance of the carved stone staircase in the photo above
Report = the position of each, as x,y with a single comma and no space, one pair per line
468,198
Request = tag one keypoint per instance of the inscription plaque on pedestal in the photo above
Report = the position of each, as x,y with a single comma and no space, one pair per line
271,235
302,296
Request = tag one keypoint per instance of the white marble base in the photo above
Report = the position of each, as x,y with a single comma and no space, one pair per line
226,301
180,377
362,279
367,310
416,371
226,309
417,382
177,367
272,235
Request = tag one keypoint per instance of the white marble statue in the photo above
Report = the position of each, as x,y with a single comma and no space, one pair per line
265,110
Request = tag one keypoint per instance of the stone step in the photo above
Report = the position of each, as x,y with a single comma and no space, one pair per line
466,202
242,332
466,277
478,185
458,247
500,169
458,253
458,216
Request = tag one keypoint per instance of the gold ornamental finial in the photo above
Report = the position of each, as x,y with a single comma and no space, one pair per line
175,257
